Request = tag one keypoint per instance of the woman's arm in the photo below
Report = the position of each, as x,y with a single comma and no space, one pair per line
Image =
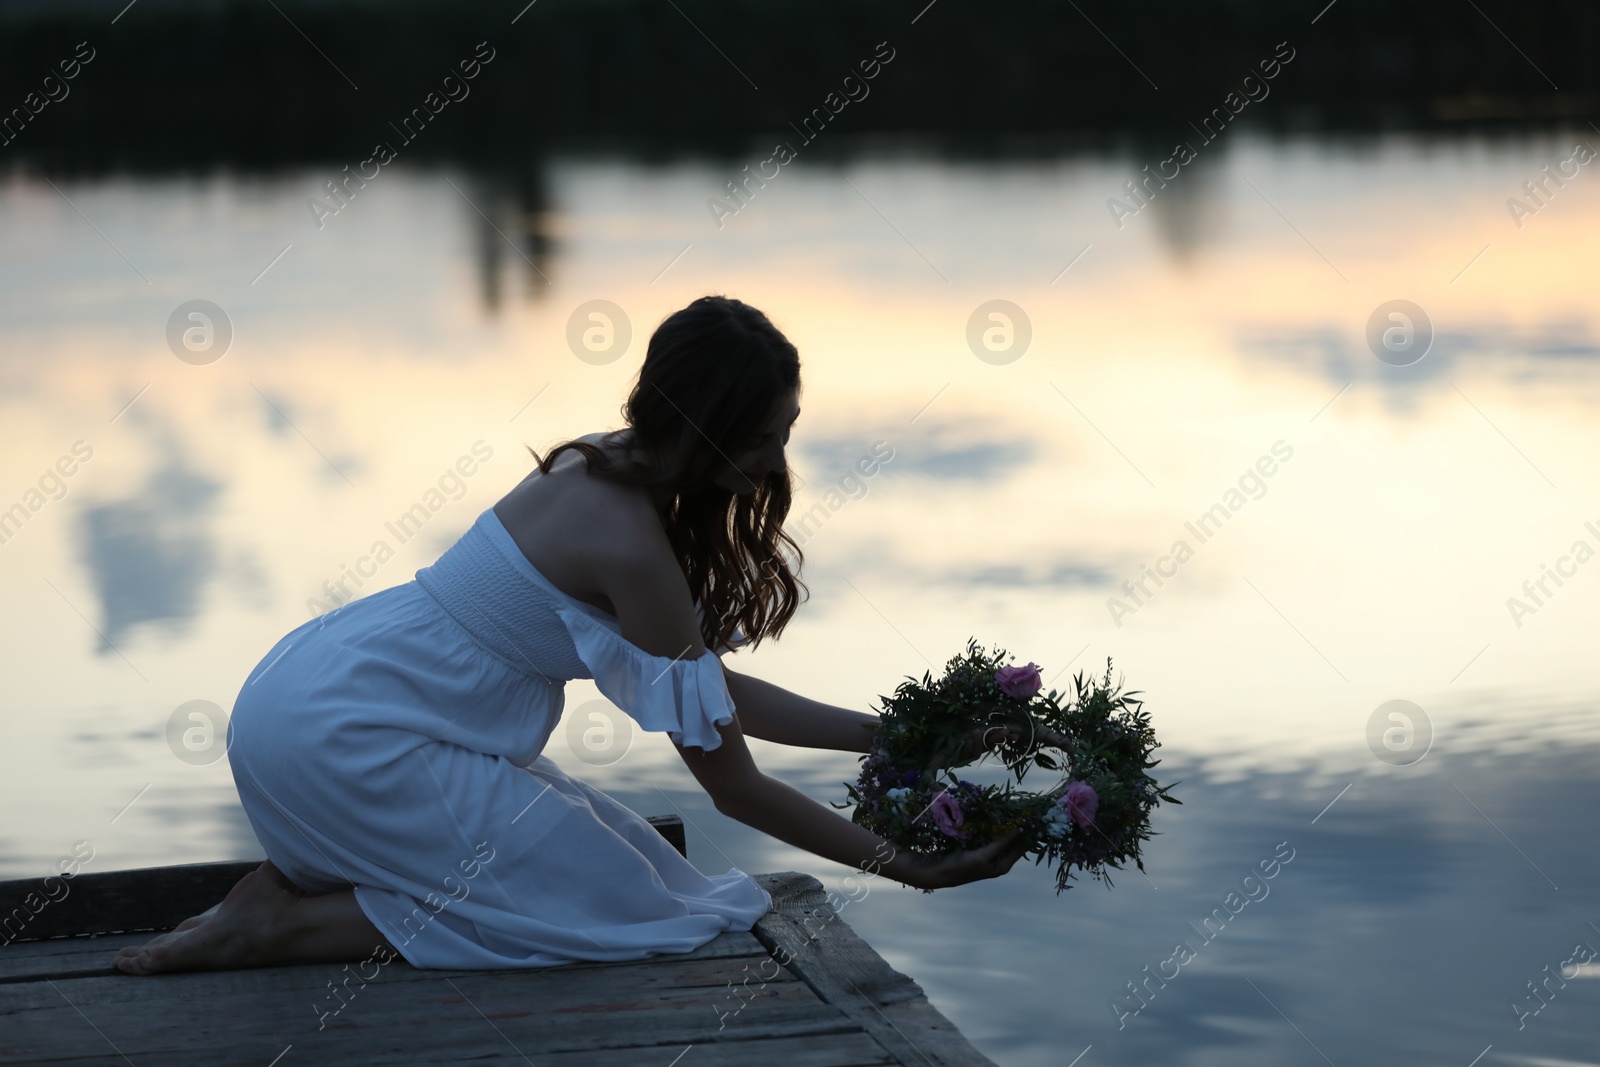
741,792
634,566
655,612
774,714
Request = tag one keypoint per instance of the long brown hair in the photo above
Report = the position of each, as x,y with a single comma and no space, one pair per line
712,376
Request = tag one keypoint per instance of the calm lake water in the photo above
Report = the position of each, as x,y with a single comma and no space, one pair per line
1377,532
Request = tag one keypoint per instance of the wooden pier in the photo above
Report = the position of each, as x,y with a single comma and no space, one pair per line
800,989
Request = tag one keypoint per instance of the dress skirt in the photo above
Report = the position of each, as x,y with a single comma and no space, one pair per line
395,745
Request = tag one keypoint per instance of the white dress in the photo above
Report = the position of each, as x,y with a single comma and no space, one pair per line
394,744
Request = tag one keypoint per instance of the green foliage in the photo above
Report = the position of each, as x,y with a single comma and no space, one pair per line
1095,734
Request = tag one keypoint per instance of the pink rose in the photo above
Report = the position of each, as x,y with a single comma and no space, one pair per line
947,815
1019,681
1081,803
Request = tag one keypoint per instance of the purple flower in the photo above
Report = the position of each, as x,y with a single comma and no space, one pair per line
947,815
910,777
1081,803
1019,681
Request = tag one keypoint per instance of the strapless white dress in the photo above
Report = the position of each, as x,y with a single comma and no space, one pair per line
395,745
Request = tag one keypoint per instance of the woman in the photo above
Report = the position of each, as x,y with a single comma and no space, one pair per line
388,753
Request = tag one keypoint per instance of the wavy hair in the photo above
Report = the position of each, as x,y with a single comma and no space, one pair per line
712,376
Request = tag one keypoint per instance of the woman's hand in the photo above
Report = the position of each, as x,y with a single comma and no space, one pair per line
969,865
984,739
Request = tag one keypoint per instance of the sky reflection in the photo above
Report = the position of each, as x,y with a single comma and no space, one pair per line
1401,932
428,321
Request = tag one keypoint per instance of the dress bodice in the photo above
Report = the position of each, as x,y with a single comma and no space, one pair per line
507,606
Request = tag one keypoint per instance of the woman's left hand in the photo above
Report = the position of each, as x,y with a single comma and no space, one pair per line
983,739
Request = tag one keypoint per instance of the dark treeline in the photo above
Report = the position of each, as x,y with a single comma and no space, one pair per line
174,86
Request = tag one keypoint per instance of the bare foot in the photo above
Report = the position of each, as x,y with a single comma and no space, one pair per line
239,932
195,920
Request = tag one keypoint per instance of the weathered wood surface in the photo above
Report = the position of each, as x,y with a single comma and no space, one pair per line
805,933
800,989
90,957
152,898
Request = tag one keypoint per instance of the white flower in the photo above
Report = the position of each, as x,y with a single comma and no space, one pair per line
898,794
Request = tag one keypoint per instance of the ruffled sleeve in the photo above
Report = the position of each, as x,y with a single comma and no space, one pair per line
686,699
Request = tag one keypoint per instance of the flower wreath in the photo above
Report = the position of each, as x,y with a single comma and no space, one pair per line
1100,741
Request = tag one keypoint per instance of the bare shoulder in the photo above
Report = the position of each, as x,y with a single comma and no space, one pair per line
576,529
612,518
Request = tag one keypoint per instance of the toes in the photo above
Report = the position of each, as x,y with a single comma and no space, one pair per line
129,964
225,935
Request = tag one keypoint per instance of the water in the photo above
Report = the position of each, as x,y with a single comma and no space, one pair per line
1222,326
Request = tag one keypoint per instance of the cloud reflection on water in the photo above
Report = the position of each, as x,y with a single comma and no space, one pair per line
151,555
1400,933
1188,344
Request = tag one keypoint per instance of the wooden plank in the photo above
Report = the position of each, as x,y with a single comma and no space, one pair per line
62,959
805,933
149,898
439,1034
565,988
671,828
849,1049
461,1018
800,984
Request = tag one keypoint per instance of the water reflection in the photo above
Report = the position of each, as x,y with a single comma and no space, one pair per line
935,451
1403,930
512,233
1191,212
430,322
1551,351
151,555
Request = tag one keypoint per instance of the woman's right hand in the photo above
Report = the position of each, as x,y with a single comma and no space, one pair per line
969,865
